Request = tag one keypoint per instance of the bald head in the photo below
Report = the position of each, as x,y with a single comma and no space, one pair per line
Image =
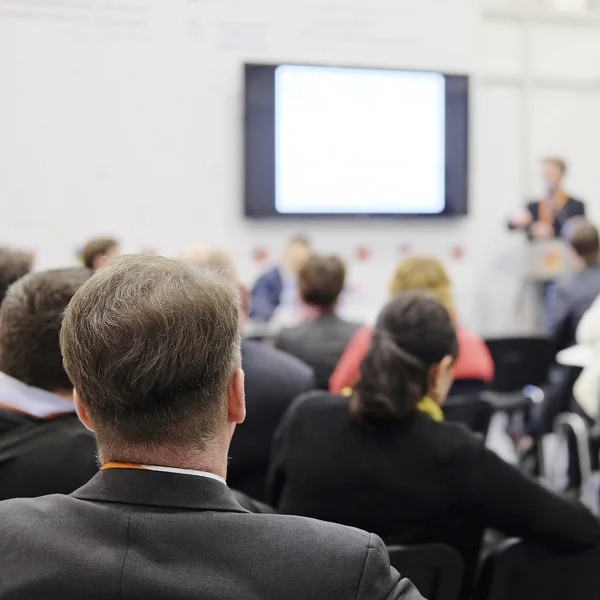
211,257
585,241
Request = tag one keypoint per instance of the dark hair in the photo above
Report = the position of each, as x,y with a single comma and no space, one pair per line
95,248
560,163
321,280
413,333
151,344
585,241
14,264
30,320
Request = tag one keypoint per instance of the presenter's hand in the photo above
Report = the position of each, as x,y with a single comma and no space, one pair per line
542,231
522,219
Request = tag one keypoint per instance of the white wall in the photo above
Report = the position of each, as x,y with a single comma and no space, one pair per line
126,118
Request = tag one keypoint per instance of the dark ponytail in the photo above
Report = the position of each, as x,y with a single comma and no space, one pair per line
413,333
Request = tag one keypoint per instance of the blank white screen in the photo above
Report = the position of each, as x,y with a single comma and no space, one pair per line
359,141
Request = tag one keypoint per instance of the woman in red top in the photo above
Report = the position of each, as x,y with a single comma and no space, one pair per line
474,362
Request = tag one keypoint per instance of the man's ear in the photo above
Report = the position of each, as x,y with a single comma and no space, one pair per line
82,412
236,409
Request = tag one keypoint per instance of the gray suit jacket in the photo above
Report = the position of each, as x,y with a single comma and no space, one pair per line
144,535
567,301
319,343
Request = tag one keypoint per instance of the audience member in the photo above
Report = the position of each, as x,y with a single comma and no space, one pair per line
279,284
386,460
319,342
474,366
44,449
14,264
97,252
273,380
571,296
152,346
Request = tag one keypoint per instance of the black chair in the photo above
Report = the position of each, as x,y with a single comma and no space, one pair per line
435,569
519,571
473,410
520,362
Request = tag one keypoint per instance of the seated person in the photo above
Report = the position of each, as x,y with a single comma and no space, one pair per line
571,296
273,380
473,368
14,264
278,285
44,449
152,346
386,461
97,252
320,342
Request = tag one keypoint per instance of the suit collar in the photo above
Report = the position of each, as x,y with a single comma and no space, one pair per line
156,488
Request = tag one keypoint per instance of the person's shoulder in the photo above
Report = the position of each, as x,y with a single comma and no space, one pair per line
449,441
261,356
26,513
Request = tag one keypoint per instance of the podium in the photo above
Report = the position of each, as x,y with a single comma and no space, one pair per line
546,261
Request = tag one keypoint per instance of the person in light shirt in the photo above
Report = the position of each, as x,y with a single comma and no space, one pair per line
152,346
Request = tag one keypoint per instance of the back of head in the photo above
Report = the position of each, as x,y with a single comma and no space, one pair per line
414,332
96,250
297,252
321,281
423,274
211,257
585,241
30,320
14,264
151,345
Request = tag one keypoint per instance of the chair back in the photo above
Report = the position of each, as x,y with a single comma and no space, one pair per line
520,362
522,571
470,409
435,569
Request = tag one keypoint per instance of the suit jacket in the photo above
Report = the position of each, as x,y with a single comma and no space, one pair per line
319,343
141,534
266,295
273,380
59,466
567,302
413,481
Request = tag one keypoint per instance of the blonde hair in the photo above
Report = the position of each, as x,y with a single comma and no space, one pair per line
423,274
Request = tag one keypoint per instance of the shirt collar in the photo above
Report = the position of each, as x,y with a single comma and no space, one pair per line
194,473
18,396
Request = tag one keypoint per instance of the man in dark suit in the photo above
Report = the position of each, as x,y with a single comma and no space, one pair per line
44,449
320,342
571,296
269,291
546,218
273,380
152,347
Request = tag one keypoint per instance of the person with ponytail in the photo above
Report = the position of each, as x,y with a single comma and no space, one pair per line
383,459
473,367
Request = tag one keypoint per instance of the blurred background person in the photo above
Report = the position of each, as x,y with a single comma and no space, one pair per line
386,461
545,218
321,341
44,449
14,264
473,368
97,252
279,285
273,379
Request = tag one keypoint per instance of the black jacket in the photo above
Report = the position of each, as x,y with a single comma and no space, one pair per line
572,208
273,380
145,534
59,466
319,343
414,481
